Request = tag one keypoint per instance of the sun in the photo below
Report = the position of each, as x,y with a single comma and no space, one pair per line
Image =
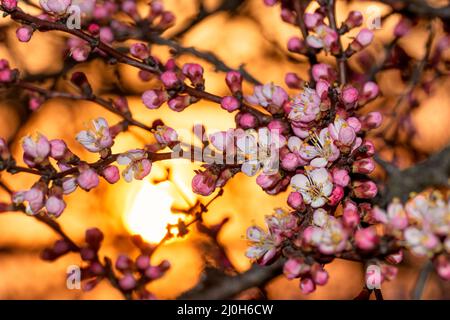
149,211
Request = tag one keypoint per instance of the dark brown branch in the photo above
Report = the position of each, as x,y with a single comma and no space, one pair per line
217,287
433,172
419,8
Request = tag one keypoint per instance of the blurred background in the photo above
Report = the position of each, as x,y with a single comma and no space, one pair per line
250,34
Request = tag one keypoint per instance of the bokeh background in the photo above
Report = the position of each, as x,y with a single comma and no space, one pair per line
252,35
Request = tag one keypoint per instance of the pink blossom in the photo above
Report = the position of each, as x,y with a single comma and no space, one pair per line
35,199
323,71
293,81
294,267
350,216
322,87
442,265
340,177
69,185
372,120
362,40
350,95
179,103
395,258
354,19
319,275
139,50
336,196
80,53
230,103
194,72
143,262
315,186
138,166
305,107
204,183
153,99
370,90
295,200
324,37
341,131
111,174
322,151
58,149
247,120
263,246
165,135
88,179
170,79
4,150
9,5
307,285
403,27
36,151
106,35
364,189
366,239
97,137
58,7
268,181
290,162
234,81
364,166
24,33
127,282
295,44
269,96
55,205
312,20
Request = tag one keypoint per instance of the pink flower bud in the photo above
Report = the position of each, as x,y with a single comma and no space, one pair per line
129,7
143,262
322,87
94,237
336,196
58,149
80,53
24,33
319,275
350,216
9,5
35,150
340,177
111,174
230,103
295,200
69,185
145,75
365,189
204,183
153,99
307,285
55,205
194,72
364,38
370,90
364,166
106,35
292,268
234,81
123,263
395,258
442,265
4,150
88,179
370,148
127,282
139,50
58,7
354,123
268,181
270,3
295,44
170,79
323,71
287,16
154,273
121,104
366,239
312,20
293,81
179,103
35,198
354,19
247,120
350,95
167,20
372,120
403,27
290,162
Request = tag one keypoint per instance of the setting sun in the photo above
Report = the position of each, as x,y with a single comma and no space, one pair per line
149,211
